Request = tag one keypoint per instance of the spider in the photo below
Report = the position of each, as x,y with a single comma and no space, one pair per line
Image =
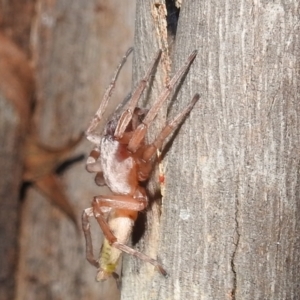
122,160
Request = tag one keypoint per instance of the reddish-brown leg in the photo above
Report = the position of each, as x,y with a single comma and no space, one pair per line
145,164
140,132
122,202
128,113
100,205
86,227
144,168
173,124
141,256
91,131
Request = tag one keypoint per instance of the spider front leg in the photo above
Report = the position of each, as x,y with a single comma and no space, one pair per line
167,130
91,131
145,163
131,106
140,132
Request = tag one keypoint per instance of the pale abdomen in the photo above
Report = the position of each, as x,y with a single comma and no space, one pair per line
109,256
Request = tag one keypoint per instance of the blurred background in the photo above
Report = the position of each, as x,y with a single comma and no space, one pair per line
56,59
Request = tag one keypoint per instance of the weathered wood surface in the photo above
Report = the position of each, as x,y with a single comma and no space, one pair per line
229,224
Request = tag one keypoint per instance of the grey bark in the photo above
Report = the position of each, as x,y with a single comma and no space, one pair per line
229,223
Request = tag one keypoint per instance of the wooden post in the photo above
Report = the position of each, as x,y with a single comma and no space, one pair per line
229,222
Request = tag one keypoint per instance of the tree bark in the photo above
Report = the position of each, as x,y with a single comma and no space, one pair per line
229,223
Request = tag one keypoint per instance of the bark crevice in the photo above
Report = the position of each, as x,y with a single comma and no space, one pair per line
172,17
236,238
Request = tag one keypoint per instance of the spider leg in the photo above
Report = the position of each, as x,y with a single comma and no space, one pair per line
90,132
86,227
141,256
101,204
127,203
128,113
140,132
89,246
137,115
115,201
158,142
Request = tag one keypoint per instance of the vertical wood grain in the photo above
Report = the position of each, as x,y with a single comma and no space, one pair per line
229,222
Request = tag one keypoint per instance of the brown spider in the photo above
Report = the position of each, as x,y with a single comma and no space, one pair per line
122,160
